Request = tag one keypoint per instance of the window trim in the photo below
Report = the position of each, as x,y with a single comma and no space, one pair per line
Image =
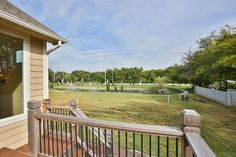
25,76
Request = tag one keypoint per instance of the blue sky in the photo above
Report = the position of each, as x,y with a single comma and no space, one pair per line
123,33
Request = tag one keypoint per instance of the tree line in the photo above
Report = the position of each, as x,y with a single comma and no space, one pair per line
126,75
213,61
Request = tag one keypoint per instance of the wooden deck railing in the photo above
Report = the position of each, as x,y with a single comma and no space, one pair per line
67,131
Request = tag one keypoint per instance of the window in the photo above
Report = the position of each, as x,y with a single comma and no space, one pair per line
11,82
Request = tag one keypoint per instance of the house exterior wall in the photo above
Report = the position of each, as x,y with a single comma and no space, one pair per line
14,135
36,68
13,130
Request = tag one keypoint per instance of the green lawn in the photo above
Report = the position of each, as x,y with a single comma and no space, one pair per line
218,121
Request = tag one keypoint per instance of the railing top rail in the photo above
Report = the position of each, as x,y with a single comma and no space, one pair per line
141,128
77,112
198,145
57,107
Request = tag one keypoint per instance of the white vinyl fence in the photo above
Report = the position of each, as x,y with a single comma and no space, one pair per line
227,98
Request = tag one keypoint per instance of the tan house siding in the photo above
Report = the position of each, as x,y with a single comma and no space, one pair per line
14,135
36,68
13,130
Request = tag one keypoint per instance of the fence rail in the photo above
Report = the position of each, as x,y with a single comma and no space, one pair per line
74,134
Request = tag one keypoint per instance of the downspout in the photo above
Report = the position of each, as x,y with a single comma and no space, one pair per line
54,48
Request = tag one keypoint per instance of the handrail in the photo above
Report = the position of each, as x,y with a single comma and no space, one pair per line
79,113
57,107
194,144
199,147
142,128
78,127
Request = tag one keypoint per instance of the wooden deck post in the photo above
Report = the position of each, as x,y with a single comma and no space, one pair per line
191,122
45,102
33,128
73,104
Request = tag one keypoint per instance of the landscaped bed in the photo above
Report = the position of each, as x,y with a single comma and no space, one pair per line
218,121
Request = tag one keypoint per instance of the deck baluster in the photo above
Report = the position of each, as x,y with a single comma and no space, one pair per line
133,144
86,134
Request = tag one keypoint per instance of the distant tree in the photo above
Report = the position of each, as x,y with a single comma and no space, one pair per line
79,74
161,81
134,74
50,76
66,78
59,76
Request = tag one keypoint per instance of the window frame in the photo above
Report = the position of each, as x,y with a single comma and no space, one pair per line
25,76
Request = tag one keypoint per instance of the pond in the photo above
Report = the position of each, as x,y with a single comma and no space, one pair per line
168,90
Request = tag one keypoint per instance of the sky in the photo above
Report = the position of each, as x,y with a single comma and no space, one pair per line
106,34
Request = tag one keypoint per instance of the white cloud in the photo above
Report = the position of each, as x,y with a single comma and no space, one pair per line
110,33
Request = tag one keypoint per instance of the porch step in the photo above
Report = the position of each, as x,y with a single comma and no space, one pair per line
6,152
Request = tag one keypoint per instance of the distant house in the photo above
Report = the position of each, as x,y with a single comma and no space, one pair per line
23,70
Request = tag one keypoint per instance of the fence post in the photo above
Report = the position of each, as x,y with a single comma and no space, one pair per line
33,128
191,122
45,102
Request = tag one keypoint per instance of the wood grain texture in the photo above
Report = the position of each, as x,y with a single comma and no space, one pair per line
36,68
191,118
14,139
142,128
36,93
36,56
13,135
12,126
36,87
33,129
36,74
57,107
6,152
199,146
36,62
19,143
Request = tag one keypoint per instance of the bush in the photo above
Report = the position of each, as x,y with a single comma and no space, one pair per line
51,85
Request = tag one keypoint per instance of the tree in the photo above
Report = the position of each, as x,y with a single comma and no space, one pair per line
161,81
50,75
214,60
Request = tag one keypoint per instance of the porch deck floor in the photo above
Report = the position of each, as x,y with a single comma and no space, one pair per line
23,150
6,152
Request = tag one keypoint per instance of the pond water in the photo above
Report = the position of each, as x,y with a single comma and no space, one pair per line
76,89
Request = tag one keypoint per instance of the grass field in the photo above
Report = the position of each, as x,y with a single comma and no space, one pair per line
218,121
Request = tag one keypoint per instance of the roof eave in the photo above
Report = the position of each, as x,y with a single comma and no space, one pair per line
28,25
